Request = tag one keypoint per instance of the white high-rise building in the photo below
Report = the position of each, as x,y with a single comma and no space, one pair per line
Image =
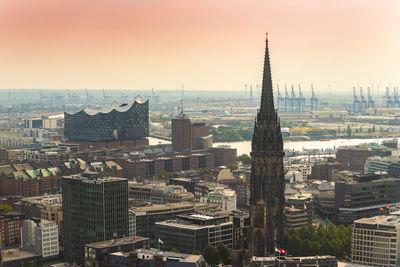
226,198
376,241
40,237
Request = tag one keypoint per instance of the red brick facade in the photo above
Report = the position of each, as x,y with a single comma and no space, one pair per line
10,226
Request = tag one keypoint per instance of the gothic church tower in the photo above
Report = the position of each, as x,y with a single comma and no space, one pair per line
267,178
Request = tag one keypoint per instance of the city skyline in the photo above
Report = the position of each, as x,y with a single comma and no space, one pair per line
205,45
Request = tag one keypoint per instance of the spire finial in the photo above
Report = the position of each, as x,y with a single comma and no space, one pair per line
182,101
267,97
266,36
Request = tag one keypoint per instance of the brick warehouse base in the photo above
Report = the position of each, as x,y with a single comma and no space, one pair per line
128,144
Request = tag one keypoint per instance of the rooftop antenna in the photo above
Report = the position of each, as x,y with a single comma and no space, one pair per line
182,101
9,100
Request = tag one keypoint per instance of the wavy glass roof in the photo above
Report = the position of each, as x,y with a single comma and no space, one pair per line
115,106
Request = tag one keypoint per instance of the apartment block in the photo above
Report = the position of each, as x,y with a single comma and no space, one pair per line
376,241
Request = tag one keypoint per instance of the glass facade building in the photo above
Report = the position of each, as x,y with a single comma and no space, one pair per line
194,232
124,122
94,209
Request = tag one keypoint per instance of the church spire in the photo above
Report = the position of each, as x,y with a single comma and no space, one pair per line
267,181
267,96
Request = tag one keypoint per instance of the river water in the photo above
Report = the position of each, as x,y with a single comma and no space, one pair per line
244,147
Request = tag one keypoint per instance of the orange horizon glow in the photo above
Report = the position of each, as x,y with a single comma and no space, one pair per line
206,45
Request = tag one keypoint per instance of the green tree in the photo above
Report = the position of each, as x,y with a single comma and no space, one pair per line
321,240
210,254
6,208
233,167
349,132
224,253
175,250
331,231
245,159
196,252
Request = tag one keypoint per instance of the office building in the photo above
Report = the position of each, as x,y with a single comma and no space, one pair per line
226,198
193,232
188,136
299,210
143,218
353,158
324,203
312,261
94,209
379,164
364,197
241,226
154,257
48,207
181,131
96,253
376,241
40,237
10,228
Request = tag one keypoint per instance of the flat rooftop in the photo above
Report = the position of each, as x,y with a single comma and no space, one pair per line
389,220
161,207
202,217
117,242
168,254
16,254
93,178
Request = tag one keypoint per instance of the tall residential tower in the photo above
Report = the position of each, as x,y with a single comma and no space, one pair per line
94,209
267,177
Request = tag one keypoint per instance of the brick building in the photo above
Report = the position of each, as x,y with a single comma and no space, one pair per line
10,226
353,158
147,167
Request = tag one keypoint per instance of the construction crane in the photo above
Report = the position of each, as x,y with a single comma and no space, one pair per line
356,101
286,99
396,97
388,98
363,102
371,102
292,100
301,101
314,100
280,100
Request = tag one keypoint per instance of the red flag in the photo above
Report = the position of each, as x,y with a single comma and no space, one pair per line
282,251
387,206
380,208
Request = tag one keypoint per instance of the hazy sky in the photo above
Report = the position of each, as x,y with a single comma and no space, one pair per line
204,44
